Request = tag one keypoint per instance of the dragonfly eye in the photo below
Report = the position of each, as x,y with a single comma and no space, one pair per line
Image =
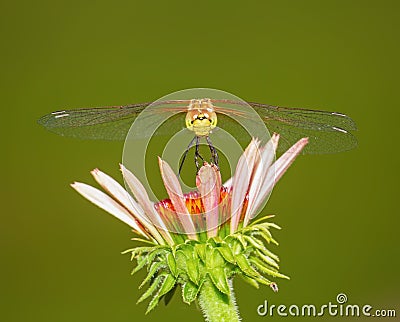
201,123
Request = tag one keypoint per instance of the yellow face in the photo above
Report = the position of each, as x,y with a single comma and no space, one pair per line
201,117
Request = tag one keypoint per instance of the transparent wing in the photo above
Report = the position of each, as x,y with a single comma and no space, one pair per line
328,132
114,122
106,123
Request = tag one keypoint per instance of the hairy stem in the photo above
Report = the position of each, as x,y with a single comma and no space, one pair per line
217,306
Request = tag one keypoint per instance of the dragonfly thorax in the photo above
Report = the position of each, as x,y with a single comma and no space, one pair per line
201,117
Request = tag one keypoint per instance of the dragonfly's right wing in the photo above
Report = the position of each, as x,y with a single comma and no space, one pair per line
328,132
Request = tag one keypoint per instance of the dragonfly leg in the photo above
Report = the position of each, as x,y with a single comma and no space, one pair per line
185,155
213,151
197,154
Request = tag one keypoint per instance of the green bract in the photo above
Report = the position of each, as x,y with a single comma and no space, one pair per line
217,259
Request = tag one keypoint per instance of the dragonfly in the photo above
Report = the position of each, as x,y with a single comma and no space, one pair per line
328,132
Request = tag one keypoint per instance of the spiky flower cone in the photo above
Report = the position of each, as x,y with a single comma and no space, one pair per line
200,241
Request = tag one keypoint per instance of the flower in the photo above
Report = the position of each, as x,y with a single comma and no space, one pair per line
202,239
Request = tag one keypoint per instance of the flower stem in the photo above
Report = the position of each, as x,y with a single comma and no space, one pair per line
217,306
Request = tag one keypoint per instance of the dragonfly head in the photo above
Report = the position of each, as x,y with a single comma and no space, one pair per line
201,117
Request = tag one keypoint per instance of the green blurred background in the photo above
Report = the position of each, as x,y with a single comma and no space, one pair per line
61,255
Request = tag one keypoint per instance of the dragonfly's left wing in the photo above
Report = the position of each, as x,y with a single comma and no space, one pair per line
104,123
114,122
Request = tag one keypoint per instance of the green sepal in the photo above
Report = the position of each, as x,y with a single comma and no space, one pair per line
271,224
153,254
189,292
191,242
267,259
193,270
181,260
139,250
245,266
146,241
263,235
254,242
259,220
235,246
226,253
153,303
140,264
167,284
264,232
218,240
188,251
178,238
212,242
214,259
270,254
201,251
224,230
172,264
241,240
261,279
151,289
219,279
202,236
153,269
265,229
250,280
265,269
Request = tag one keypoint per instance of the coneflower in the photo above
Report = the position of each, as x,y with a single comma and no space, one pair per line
201,240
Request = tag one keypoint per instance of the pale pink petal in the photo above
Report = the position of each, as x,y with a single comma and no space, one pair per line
177,198
276,171
284,162
208,182
241,180
217,176
143,199
120,194
259,175
106,203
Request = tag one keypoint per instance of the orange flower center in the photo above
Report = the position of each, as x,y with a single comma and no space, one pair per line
193,202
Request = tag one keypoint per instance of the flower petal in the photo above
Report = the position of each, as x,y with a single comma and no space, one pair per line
120,195
279,167
284,162
106,203
208,182
143,199
241,180
175,194
259,175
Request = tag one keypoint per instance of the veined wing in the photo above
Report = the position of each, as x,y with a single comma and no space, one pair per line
328,132
109,123
106,123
